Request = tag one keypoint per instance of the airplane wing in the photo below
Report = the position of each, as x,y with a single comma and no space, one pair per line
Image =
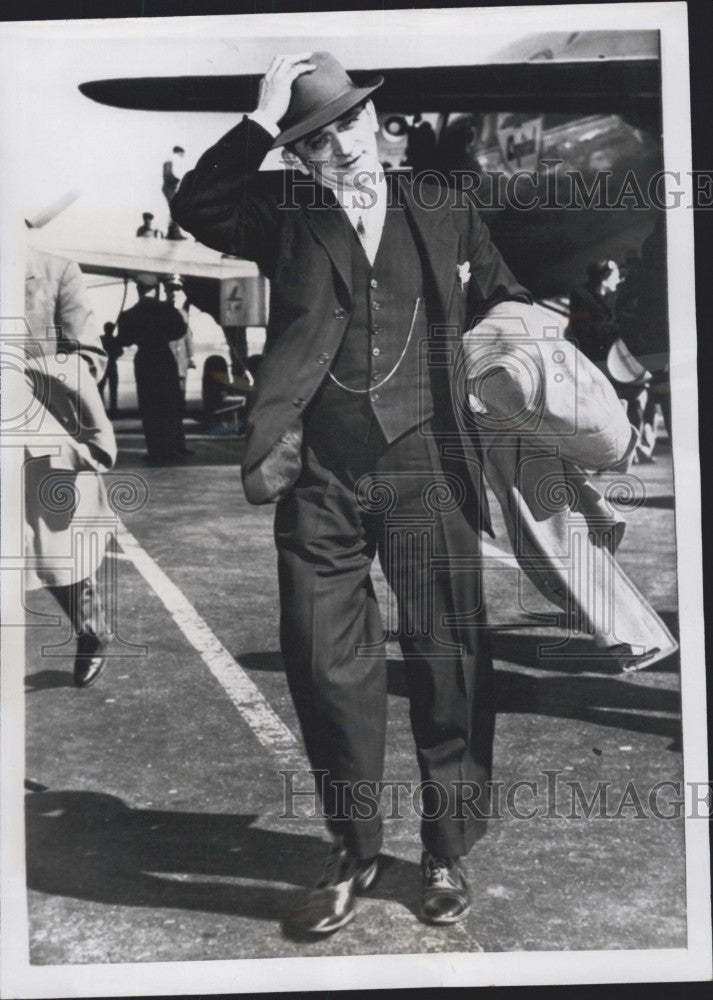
581,72
583,87
161,257
231,290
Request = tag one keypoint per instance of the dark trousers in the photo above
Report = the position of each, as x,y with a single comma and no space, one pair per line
160,405
358,496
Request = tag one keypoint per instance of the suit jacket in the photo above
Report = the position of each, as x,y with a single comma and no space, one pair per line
152,325
294,230
64,495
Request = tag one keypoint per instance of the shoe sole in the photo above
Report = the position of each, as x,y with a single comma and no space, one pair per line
332,927
445,920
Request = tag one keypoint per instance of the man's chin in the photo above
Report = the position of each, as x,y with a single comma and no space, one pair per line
359,177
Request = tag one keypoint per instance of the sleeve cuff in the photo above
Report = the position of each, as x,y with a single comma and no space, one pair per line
267,123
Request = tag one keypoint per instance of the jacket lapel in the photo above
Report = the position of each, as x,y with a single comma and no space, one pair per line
440,242
329,226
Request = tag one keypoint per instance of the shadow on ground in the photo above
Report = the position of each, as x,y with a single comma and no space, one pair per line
607,701
660,502
206,451
46,680
86,845
562,654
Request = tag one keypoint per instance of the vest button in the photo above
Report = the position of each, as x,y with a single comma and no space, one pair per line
374,397
339,314
322,358
298,402
374,283
375,329
375,376
375,305
376,352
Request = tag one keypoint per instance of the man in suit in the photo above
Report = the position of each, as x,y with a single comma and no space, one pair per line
151,325
354,430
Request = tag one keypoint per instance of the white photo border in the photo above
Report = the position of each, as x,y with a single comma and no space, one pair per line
19,978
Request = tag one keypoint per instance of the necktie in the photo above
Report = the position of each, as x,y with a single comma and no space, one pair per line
364,238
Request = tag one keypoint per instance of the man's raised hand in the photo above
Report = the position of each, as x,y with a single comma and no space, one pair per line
276,85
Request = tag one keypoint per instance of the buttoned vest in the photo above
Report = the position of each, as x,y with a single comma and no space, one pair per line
377,356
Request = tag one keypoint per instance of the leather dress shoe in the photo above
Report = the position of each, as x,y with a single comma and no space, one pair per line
330,904
90,659
446,895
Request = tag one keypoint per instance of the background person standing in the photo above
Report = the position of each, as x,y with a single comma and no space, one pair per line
173,170
642,316
146,229
111,373
592,326
151,325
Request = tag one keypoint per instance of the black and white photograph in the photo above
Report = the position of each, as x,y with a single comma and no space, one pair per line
352,566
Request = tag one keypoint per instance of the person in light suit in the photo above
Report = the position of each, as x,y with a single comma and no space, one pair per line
64,459
354,431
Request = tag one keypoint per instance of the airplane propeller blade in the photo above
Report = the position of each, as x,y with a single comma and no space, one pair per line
53,210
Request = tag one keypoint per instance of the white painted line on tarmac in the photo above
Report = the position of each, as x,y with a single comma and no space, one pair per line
267,726
115,554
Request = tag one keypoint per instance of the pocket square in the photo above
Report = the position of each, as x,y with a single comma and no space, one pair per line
463,272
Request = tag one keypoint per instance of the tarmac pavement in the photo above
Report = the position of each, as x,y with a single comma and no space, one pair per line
156,827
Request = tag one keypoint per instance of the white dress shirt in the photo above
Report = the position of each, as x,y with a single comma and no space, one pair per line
369,209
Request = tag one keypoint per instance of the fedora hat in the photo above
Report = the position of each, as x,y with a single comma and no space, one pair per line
320,97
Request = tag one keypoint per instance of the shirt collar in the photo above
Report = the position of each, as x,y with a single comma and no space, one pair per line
374,196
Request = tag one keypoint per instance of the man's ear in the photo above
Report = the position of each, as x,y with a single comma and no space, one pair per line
292,160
